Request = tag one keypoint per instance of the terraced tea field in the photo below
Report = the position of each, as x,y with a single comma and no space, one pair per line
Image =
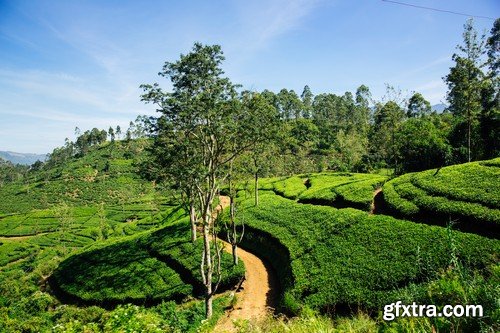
466,194
106,247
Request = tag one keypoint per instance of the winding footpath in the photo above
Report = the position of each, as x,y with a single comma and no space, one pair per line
257,294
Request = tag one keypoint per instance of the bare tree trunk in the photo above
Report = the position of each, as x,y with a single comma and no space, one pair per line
256,189
234,244
235,254
207,267
468,137
192,218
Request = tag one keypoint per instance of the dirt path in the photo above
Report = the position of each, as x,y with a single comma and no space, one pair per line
22,237
257,294
372,207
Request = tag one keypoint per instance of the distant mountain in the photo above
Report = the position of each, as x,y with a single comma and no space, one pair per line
439,108
20,158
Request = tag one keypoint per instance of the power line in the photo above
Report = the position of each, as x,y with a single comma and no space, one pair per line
438,10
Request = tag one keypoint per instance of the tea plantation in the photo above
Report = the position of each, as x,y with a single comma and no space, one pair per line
337,189
82,240
155,266
466,194
345,259
90,231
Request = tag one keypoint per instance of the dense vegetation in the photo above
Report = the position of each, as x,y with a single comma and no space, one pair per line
330,258
370,259
466,194
94,207
149,268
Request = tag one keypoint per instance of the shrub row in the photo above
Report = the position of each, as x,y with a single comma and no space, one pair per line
346,258
342,189
470,182
143,269
467,194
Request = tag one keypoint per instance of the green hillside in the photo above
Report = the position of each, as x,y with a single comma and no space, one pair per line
467,194
90,236
89,230
337,189
344,258
156,266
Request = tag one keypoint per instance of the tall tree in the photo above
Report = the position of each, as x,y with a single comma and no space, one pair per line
118,131
210,130
111,133
493,45
263,118
363,111
388,118
418,106
289,104
421,145
465,82
307,100
490,117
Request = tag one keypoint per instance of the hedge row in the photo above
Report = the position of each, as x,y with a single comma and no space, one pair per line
346,258
470,182
342,189
11,251
156,266
468,194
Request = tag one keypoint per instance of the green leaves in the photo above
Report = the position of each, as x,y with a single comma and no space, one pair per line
329,257
467,193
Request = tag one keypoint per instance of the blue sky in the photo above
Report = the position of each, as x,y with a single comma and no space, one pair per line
79,63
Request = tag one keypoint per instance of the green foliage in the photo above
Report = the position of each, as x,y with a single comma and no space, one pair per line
103,174
457,286
290,187
467,192
419,152
327,257
309,321
156,266
329,188
11,251
122,272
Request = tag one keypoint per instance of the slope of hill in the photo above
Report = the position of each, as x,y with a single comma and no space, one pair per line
439,108
90,231
345,258
22,158
94,207
337,189
467,195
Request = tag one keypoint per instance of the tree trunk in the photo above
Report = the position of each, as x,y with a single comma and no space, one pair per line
256,189
192,218
468,136
207,268
233,239
235,255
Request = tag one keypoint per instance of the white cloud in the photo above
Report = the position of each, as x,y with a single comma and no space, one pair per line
261,22
61,89
434,91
